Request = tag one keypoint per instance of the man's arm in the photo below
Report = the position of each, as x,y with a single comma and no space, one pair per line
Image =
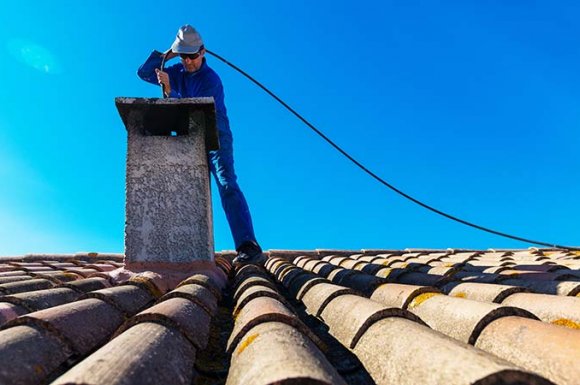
147,69
150,72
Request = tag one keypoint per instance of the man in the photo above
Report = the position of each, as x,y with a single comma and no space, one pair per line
194,78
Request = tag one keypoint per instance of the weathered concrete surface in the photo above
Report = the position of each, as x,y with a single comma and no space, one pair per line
168,200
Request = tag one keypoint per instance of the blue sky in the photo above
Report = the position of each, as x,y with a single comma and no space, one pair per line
472,107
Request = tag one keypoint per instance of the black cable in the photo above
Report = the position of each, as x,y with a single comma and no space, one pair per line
378,178
162,68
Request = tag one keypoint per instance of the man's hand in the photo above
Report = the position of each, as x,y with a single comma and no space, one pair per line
163,79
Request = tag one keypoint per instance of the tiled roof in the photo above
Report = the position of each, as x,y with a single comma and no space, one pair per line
314,317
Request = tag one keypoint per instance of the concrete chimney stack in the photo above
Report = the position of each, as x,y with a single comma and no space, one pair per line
168,215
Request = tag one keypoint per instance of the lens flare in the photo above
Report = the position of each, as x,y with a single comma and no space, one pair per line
33,55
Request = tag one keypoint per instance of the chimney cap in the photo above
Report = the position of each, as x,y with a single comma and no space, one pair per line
164,117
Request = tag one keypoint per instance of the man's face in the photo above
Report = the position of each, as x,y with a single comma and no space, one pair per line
192,62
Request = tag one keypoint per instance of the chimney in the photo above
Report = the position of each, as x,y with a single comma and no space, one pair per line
168,217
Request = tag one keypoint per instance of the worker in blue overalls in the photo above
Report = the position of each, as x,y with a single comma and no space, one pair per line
192,77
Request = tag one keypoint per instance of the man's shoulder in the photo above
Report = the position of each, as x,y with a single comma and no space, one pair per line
211,74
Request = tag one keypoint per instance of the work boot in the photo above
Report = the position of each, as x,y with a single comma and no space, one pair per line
249,253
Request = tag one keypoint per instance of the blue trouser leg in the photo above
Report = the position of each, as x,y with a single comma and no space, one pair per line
221,163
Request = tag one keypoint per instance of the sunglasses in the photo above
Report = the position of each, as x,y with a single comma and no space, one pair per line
191,56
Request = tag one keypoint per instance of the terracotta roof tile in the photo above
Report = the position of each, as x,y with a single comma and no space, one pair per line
443,270
387,272
33,353
298,260
58,265
302,259
319,296
293,309
277,353
270,344
260,310
147,353
27,265
82,271
339,273
87,284
223,264
80,324
9,311
57,276
270,262
485,267
399,351
349,316
291,254
470,276
249,282
254,292
302,285
309,264
420,279
550,350
337,252
325,269
495,295
198,294
533,275
363,283
100,266
368,258
205,281
23,286
371,268
6,268
298,281
14,278
128,299
329,258
60,334
400,295
248,271
559,310
571,288
460,318
41,299
10,271
179,314
488,292
282,269
287,273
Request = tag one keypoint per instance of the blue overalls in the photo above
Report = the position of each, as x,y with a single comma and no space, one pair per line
206,82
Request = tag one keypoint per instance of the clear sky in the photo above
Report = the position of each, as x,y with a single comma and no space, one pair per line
470,106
